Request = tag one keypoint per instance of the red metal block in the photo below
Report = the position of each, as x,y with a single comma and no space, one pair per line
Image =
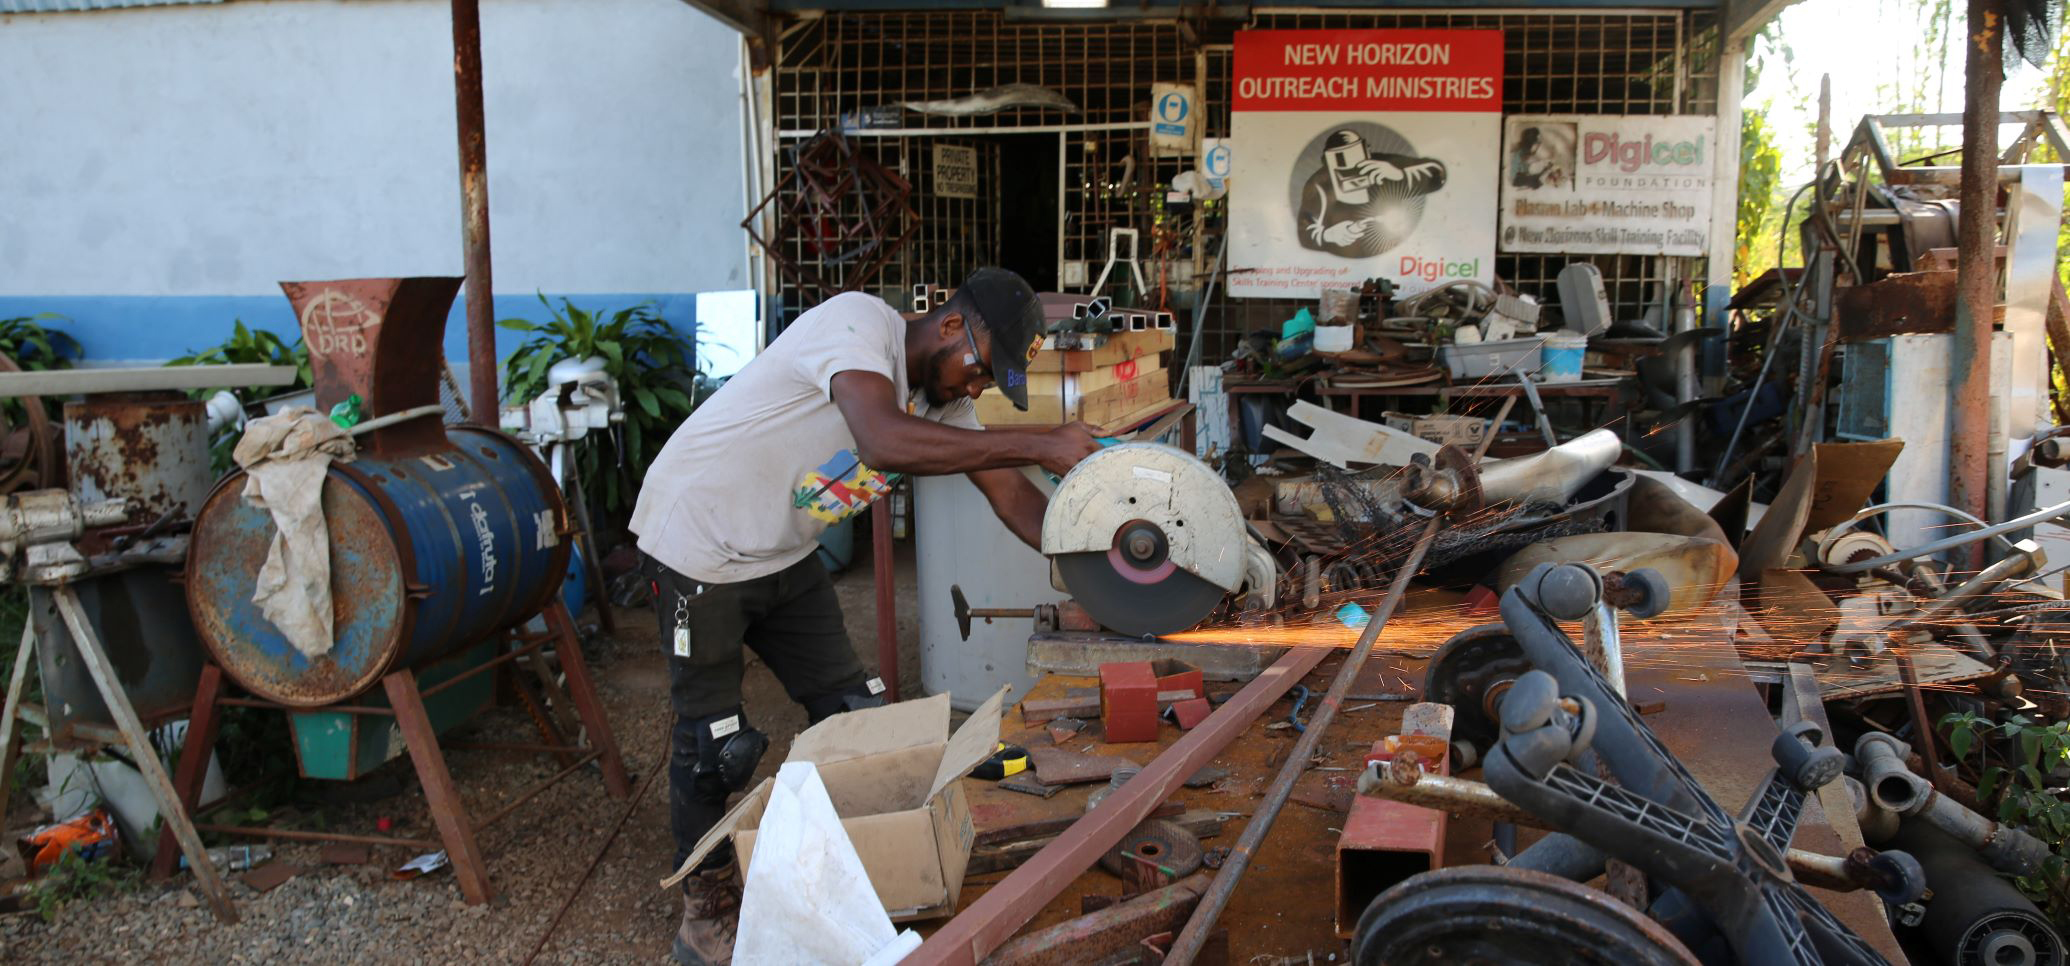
1192,712
1383,843
1128,701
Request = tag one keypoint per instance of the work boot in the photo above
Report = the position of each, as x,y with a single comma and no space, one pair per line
711,912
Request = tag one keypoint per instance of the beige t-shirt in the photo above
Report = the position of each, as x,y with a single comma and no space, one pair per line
746,485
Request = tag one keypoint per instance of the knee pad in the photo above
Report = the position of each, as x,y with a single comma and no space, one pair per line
727,750
869,694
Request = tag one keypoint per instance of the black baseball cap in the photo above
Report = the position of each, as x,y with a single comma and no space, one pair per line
1013,323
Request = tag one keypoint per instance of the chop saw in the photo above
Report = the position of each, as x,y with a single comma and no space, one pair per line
1149,541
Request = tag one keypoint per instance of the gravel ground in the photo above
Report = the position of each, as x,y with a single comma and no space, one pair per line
535,856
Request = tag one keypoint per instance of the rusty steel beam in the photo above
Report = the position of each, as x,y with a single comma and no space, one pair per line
1009,904
1976,284
1117,929
474,209
1194,937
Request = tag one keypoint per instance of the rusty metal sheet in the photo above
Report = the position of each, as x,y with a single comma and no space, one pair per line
1116,929
1898,304
152,452
1057,766
355,350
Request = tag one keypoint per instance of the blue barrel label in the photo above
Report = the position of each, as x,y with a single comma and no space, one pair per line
485,540
548,536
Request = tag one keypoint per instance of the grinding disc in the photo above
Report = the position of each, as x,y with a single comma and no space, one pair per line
1122,600
1159,841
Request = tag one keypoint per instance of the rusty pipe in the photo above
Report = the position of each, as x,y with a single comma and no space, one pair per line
1895,788
1403,780
474,208
1552,476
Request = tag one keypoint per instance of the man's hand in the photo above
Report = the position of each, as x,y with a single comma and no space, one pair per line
1379,170
1344,232
1065,445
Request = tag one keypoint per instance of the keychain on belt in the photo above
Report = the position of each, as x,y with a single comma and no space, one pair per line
683,623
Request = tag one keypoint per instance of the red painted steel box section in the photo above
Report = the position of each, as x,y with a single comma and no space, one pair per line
1128,701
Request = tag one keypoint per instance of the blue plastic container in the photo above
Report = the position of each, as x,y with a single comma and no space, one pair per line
430,553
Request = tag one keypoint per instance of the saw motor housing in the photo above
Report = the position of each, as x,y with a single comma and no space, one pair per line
1152,511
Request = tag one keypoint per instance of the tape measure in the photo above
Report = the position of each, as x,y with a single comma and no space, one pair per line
1006,760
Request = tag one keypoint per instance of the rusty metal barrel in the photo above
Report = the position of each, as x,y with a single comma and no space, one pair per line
440,536
428,554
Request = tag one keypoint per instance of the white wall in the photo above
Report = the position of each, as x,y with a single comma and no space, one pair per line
210,151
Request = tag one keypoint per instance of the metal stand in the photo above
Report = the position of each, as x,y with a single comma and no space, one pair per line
179,832
456,828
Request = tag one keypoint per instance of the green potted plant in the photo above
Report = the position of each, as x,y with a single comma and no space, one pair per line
652,364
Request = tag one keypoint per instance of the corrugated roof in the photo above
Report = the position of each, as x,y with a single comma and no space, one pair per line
82,6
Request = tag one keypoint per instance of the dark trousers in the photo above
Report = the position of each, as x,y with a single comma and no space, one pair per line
792,620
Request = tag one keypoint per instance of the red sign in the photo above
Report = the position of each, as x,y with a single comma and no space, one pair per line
1368,70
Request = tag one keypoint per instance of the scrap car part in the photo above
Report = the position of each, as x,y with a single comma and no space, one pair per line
1976,918
1494,914
1470,672
1454,483
1162,843
1148,539
1725,877
1894,788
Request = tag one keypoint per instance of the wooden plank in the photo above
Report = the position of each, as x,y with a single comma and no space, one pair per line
1007,906
143,754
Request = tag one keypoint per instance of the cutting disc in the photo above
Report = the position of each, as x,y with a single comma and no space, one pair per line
1122,599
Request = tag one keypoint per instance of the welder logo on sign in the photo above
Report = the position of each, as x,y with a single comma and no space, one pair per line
839,488
335,322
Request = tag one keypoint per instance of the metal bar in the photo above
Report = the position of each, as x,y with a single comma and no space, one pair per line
887,597
1194,936
534,789
1113,931
517,746
583,692
1003,909
448,812
274,706
921,132
1976,268
10,728
68,382
1190,940
140,748
301,835
505,657
200,743
474,206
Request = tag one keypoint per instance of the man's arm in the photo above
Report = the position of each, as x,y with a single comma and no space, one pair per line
890,440
1016,500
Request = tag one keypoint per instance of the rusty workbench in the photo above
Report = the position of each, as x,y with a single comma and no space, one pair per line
1283,907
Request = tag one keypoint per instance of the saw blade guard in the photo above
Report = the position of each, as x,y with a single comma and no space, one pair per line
1146,489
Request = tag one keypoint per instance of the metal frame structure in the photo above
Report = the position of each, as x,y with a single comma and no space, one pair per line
456,828
842,63
1870,140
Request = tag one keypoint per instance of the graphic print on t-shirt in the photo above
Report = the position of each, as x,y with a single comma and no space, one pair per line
839,488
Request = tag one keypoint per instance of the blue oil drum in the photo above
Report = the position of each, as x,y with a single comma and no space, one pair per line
429,554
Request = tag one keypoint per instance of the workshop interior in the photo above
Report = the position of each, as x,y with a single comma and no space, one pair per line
1507,542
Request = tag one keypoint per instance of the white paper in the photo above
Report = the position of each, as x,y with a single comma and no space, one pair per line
807,898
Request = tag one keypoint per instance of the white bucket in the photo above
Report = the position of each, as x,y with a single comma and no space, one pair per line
1333,338
1561,359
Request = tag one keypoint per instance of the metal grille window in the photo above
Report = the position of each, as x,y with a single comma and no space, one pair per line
843,64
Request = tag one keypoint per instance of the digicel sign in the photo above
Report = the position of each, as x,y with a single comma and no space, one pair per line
1368,70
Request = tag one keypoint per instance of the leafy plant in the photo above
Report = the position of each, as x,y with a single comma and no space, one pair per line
2016,759
247,346
652,366
36,347
74,878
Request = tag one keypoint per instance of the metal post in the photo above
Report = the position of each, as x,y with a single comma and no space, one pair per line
1724,238
1976,279
886,581
474,208
1824,151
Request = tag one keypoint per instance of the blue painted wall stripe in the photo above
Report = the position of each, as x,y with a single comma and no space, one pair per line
155,328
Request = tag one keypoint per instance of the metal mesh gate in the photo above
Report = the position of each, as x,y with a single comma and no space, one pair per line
843,64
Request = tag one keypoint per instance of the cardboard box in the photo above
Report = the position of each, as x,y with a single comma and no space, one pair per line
1100,407
893,775
1120,347
1051,383
1464,431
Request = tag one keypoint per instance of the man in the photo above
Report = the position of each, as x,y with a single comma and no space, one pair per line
730,513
